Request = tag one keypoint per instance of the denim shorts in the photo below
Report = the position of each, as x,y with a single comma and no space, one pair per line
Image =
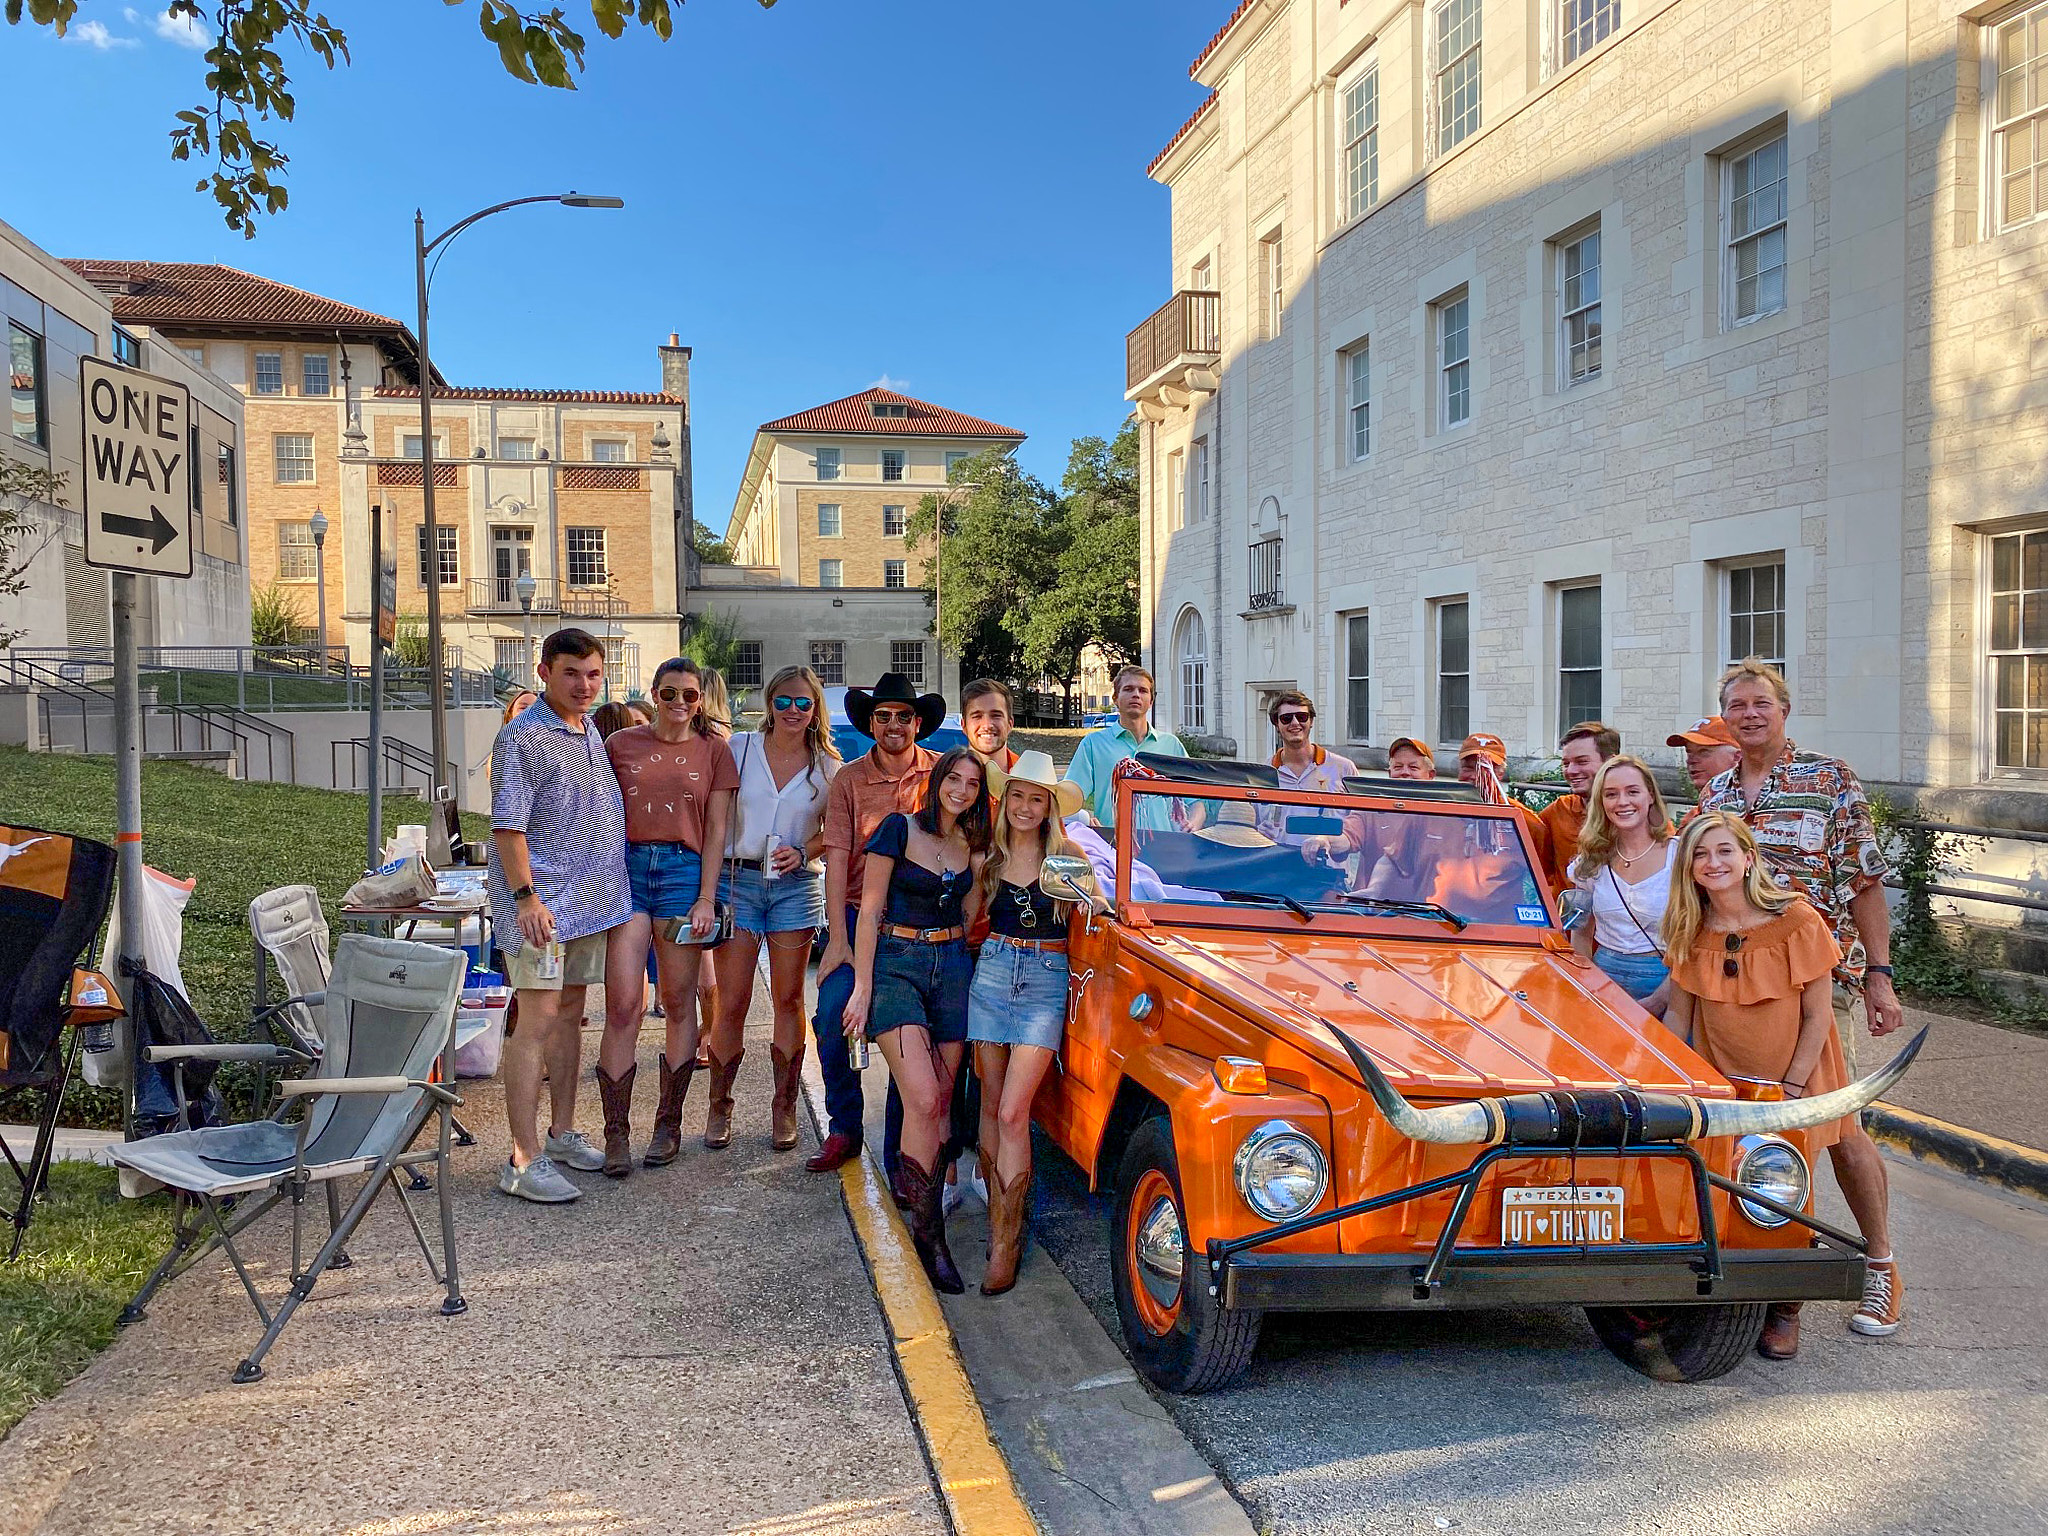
664,878
1639,975
1019,996
921,984
794,903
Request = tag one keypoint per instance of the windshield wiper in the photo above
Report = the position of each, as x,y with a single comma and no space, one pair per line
1407,908
1273,898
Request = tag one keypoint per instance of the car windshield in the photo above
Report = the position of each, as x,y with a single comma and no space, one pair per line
1309,856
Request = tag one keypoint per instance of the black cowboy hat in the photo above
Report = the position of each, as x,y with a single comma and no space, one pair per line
895,688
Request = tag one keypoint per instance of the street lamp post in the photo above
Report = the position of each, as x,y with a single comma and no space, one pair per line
422,248
319,528
525,586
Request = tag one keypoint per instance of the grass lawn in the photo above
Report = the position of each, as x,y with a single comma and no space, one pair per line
86,1254
256,691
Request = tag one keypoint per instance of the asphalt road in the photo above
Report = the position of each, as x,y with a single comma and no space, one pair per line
1521,1422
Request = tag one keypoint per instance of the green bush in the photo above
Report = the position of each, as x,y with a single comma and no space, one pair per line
275,615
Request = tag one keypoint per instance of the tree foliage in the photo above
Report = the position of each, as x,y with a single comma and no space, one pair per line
711,548
22,486
250,88
276,615
712,639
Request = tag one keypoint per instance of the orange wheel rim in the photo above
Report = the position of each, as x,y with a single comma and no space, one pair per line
1155,1252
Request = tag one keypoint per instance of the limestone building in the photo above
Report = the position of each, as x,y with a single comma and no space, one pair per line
1527,361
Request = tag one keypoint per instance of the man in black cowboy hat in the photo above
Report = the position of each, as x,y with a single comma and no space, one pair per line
890,777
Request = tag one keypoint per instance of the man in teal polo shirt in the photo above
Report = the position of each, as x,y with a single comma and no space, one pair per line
1095,759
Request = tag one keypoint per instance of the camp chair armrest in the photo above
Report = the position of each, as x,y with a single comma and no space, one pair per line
312,1085
223,1052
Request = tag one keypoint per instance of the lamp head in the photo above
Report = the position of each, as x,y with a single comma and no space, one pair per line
318,525
525,586
589,200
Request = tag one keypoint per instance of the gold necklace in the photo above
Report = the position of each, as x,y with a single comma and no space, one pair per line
1630,863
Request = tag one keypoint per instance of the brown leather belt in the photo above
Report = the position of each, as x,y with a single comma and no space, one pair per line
924,935
1017,943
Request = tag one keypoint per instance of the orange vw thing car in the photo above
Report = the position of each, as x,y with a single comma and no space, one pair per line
1336,1052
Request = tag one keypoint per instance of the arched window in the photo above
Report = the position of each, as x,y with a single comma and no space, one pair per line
1191,654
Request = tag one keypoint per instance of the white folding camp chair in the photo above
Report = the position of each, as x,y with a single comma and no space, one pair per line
390,1013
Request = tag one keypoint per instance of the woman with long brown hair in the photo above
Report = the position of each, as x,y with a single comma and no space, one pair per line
1624,869
777,899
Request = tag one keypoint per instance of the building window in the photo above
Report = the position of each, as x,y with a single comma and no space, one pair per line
828,463
1357,677
1454,360
1457,72
314,377
27,410
610,450
2019,650
297,559
1578,655
894,522
2019,116
1583,23
127,348
1756,612
269,373
1361,131
907,657
451,567
831,573
746,665
829,521
225,468
294,458
895,573
586,557
1273,282
1191,656
1453,669
515,447
1578,304
513,657
194,353
409,446
1198,489
1267,578
1356,365
828,660
1755,224
955,456
892,463
1176,490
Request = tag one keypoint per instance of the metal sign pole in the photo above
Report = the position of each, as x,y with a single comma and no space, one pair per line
376,741
128,807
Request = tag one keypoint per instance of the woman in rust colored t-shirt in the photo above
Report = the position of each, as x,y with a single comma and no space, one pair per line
677,780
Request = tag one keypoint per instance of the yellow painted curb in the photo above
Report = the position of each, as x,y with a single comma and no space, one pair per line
981,1496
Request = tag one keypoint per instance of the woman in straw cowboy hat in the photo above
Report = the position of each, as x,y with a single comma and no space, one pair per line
1017,1005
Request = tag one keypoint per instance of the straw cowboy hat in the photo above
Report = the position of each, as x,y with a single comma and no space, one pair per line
1036,768
895,688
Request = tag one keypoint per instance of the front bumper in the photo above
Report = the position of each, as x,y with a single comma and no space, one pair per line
1522,1277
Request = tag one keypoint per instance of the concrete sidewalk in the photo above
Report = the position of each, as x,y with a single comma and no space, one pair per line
1977,1077
692,1349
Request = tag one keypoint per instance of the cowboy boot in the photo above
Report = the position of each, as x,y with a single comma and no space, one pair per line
667,1140
1780,1338
928,1226
617,1095
1007,1203
787,1066
718,1114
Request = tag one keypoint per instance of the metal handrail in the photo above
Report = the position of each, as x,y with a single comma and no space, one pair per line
400,756
240,726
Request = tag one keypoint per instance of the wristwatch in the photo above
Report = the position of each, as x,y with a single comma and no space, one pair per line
522,893
1879,970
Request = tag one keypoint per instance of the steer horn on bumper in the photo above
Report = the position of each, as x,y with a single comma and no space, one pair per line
1614,1117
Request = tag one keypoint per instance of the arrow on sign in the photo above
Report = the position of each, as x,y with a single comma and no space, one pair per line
159,530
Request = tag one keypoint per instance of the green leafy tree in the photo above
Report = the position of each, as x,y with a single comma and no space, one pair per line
250,88
22,486
711,549
1001,544
276,615
1094,596
713,639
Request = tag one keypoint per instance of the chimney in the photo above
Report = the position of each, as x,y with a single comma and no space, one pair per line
675,368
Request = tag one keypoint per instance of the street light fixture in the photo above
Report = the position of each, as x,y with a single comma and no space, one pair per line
422,278
319,528
526,586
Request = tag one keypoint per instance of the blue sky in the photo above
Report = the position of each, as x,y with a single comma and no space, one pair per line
947,196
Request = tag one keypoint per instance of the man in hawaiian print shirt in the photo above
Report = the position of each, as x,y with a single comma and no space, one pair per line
1812,823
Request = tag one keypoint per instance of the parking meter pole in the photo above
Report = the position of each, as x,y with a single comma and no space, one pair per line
374,747
127,803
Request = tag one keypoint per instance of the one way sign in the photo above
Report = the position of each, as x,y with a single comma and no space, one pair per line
138,474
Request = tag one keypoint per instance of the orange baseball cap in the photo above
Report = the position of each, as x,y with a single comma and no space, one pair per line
1413,744
1710,732
1480,744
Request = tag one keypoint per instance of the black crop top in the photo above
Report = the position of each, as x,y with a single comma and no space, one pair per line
917,897
1024,912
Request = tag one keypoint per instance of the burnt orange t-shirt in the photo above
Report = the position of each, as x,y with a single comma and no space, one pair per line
667,785
863,795
1564,819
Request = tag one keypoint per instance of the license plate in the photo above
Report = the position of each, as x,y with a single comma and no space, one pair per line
1547,1216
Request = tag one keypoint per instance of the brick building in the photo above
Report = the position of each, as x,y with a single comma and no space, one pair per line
584,490
1528,361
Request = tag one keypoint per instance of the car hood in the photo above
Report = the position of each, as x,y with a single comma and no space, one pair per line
1451,1020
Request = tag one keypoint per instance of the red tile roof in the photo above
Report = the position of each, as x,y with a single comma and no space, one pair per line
1182,132
1221,33
174,293
855,414
551,396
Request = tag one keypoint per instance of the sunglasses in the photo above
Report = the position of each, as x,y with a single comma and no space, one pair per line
803,704
1734,947
673,695
893,716
1294,717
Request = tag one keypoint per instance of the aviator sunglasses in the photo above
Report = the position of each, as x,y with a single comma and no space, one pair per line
672,695
886,716
803,704
1293,717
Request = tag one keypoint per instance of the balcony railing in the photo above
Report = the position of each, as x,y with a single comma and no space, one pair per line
1267,590
500,595
1185,329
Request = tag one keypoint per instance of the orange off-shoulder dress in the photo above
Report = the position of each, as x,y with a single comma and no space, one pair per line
1747,1024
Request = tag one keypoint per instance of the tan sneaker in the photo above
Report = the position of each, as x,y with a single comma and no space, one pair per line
1884,1300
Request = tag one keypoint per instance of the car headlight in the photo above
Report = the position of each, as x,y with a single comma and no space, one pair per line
1771,1166
1280,1171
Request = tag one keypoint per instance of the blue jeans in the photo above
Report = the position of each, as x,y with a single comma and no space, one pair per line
844,1103
1639,975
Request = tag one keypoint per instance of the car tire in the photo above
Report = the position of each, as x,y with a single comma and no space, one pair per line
1694,1343
1180,1337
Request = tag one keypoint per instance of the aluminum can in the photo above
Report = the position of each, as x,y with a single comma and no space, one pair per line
857,1053
768,846
549,966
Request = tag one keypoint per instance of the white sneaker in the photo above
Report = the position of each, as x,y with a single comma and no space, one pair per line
573,1148
539,1181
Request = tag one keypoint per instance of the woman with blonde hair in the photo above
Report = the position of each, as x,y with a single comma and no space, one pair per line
777,899
1752,990
1624,869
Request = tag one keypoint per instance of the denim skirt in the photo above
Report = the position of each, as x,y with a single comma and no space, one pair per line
1019,996
1639,975
664,878
793,903
917,983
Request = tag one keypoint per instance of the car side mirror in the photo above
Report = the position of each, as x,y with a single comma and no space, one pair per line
1576,907
1064,877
